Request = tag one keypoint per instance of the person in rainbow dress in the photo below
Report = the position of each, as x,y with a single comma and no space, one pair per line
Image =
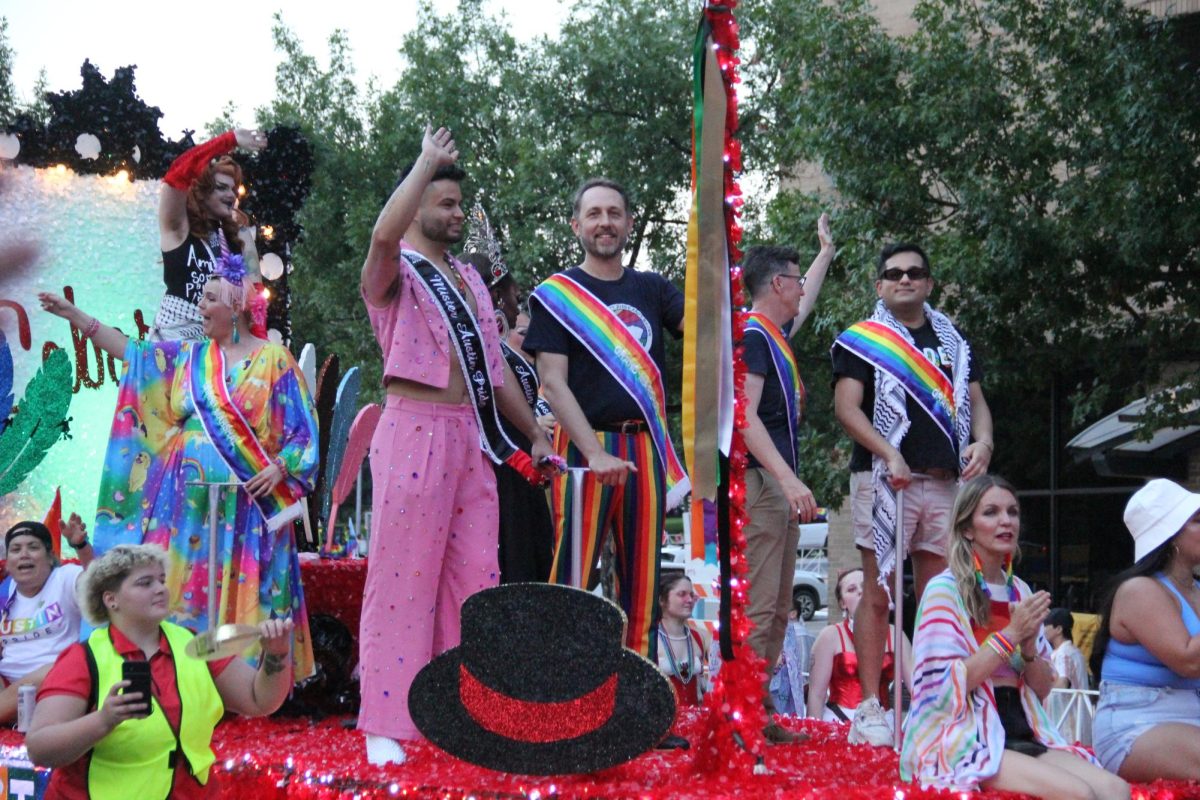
233,407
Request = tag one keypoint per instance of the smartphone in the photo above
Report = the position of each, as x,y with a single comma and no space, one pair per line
138,675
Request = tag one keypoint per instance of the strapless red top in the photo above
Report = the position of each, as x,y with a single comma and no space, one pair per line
844,688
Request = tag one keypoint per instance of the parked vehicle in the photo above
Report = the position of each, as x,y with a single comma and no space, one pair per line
809,592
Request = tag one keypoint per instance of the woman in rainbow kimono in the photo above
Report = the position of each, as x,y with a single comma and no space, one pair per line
982,668
230,408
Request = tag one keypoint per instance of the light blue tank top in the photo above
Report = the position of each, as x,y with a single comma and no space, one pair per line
1134,665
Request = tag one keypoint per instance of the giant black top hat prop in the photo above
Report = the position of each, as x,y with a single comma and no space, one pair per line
542,685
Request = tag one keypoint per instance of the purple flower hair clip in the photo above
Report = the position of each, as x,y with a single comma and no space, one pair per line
231,267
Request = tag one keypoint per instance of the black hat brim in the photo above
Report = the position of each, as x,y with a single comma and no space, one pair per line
643,711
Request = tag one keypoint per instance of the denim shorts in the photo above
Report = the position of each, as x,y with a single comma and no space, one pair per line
1126,712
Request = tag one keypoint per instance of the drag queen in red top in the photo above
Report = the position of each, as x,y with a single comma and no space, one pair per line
833,688
198,221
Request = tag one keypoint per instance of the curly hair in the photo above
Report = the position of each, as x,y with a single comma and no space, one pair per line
107,573
200,224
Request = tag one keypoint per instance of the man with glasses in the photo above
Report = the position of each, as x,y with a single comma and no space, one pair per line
907,392
775,498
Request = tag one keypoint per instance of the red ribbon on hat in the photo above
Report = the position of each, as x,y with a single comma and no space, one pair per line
528,721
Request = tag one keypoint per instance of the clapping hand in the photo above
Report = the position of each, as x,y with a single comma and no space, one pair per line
1026,618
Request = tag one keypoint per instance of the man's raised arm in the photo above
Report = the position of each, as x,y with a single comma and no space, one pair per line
380,275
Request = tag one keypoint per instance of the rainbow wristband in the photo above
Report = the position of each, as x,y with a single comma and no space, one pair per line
1003,647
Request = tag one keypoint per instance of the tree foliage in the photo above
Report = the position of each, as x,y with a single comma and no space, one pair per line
531,120
8,93
1044,151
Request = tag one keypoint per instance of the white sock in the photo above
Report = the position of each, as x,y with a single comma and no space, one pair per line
382,750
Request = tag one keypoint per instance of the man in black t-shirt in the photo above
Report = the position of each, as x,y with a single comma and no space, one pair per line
898,445
601,427
775,498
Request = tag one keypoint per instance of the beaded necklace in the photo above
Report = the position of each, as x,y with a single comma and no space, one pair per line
683,672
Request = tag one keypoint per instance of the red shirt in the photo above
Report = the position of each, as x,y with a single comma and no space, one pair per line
69,676
1000,617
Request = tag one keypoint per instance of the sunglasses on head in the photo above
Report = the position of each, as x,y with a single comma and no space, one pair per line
913,273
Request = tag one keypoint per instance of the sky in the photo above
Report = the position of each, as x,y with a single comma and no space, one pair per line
192,64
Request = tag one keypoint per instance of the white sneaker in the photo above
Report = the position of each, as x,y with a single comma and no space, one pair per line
383,750
870,725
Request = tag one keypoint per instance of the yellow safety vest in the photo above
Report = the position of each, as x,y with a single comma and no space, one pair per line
137,759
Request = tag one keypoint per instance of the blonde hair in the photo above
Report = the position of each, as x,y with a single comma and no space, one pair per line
961,558
107,573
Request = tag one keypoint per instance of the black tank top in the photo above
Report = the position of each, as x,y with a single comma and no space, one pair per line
188,267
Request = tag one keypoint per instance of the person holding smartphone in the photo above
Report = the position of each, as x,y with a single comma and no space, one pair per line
103,735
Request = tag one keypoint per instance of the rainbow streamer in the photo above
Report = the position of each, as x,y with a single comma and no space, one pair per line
232,436
611,343
886,349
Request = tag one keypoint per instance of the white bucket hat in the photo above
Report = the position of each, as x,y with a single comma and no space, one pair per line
1157,512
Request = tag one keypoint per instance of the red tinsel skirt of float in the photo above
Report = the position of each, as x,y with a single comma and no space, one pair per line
281,758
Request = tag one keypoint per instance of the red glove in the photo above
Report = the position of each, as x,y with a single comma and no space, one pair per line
522,463
191,163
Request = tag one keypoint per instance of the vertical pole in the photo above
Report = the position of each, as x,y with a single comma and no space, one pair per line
358,504
214,505
1055,567
576,481
898,601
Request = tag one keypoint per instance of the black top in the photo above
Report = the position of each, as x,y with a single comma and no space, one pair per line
188,267
924,446
645,301
772,406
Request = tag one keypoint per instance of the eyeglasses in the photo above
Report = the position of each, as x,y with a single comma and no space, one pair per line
800,279
895,274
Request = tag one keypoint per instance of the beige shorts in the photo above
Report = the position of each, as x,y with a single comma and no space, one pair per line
928,509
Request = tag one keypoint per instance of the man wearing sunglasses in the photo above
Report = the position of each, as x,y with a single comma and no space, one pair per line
907,392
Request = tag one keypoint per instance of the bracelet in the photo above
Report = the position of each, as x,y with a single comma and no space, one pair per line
279,462
82,544
1000,644
991,447
92,328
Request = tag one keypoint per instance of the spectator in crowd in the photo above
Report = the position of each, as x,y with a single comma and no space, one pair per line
834,693
1070,669
40,617
681,644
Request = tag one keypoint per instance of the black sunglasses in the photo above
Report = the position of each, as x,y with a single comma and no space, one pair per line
895,274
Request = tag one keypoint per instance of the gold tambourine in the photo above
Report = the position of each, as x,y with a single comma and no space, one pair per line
225,641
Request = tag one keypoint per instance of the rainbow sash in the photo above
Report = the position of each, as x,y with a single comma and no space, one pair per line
611,343
886,349
232,436
786,368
